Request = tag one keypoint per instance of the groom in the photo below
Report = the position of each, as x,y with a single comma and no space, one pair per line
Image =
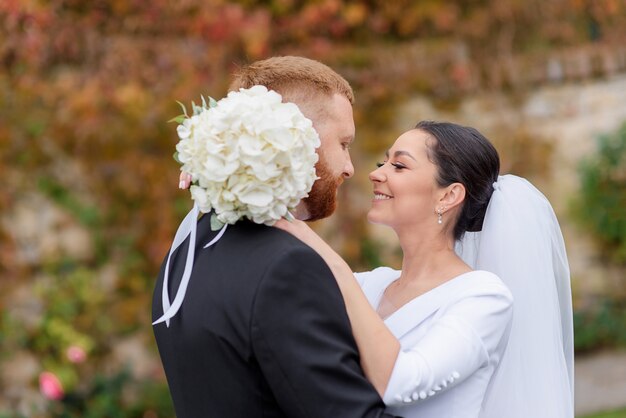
263,331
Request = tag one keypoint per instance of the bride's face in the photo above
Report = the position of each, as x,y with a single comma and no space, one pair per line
405,189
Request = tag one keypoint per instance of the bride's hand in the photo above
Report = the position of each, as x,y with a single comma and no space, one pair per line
184,180
305,234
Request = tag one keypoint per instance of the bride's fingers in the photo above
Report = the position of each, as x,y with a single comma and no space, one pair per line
184,180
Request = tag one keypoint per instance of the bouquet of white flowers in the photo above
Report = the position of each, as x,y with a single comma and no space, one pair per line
249,155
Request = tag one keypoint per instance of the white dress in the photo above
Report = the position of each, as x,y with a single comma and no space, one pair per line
452,338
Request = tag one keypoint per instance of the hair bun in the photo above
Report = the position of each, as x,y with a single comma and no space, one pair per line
463,155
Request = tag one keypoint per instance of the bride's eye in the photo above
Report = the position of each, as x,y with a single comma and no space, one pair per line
379,164
398,166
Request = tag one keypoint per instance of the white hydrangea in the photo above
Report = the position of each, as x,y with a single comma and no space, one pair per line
249,155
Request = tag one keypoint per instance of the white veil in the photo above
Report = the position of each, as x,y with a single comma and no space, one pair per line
521,242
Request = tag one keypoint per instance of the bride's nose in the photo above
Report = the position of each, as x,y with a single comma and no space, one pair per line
377,175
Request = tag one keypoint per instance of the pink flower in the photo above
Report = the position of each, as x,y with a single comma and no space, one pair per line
76,354
50,386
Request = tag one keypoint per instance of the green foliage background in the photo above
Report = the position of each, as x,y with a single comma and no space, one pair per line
602,205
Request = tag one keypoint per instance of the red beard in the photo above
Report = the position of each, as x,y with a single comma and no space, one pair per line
322,200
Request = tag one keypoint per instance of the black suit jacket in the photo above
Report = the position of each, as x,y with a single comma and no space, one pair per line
263,332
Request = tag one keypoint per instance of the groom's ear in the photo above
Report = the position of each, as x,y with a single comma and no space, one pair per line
453,196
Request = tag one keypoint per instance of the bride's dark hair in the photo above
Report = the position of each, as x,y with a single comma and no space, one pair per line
463,155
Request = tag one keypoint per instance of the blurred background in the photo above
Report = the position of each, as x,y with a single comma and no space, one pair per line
89,200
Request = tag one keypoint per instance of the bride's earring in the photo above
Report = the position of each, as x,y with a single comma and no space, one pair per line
439,212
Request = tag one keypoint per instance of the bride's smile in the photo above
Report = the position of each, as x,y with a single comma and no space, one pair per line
381,196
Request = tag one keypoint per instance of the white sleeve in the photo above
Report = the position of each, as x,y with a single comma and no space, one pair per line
361,277
458,343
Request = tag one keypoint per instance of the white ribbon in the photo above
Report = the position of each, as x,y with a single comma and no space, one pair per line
187,228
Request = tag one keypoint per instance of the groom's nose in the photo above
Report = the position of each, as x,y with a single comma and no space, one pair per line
348,170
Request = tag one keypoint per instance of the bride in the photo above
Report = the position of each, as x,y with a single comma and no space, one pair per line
433,336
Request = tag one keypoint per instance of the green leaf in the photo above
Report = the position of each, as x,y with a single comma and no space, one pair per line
204,105
178,119
196,109
176,157
216,224
212,102
183,107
